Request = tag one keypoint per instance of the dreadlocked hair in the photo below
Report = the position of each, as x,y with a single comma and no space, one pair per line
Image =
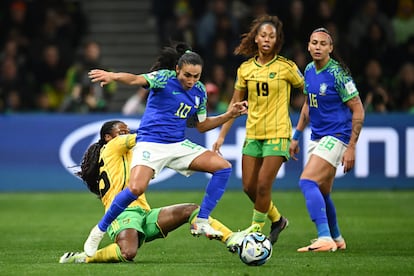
90,168
90,164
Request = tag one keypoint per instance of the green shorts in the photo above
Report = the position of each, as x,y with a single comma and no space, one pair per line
145,222
269,147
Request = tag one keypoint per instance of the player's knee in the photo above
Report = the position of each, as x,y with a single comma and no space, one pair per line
137,189
128,253
263,190
223,164
227,165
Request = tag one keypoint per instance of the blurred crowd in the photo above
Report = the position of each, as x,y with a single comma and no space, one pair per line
44,58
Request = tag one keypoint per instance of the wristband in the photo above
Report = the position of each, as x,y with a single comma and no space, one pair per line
297,134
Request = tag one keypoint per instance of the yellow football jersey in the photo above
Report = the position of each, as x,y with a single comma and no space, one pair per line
268,89
115,159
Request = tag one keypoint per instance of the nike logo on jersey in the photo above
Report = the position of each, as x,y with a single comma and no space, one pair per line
176,92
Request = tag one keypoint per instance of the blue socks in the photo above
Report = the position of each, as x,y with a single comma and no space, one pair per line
214,191
315,203
121,201
331,213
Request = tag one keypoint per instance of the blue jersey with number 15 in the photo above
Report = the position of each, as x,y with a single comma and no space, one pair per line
168,108
328,89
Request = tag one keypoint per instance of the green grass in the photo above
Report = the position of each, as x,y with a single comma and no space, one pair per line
37,228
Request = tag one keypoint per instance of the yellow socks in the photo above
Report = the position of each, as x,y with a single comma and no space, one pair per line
108,254
217,225
273,213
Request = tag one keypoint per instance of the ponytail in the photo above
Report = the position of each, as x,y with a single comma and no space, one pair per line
170,55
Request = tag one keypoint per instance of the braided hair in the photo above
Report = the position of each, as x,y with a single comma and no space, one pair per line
90,164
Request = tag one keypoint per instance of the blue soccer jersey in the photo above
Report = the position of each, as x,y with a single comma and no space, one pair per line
328,89
168,108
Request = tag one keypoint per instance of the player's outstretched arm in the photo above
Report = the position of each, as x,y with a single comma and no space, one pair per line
237,109
105,77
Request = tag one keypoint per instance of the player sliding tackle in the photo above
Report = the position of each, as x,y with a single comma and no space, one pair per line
176,96
138,223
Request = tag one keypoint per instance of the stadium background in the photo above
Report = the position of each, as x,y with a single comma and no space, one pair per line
375,38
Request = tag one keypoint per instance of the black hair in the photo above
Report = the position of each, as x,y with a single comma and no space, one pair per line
190,58
323,30
334,54
178,53
90,164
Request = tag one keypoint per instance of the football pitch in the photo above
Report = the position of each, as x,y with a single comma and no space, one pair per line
37,228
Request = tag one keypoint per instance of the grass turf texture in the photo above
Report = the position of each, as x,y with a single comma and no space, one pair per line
37,228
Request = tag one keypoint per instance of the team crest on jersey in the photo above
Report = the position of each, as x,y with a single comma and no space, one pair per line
146,155
322,89
197,101
272,75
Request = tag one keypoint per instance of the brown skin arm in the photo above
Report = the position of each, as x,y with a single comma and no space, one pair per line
358,116
302,123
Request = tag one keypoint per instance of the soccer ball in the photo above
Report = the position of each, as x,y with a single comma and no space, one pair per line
255,249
